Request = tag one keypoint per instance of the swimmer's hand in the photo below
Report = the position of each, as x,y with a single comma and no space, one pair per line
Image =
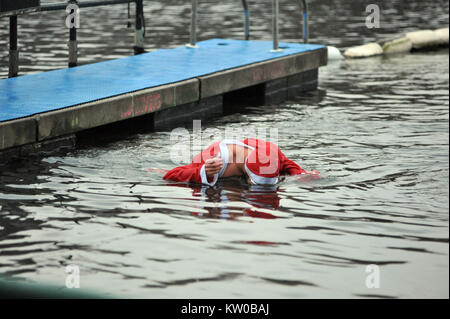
213,166
309,176
157,170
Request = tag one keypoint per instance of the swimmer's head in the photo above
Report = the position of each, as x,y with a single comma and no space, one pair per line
262,165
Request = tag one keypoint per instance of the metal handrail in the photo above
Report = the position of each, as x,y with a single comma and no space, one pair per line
247,20
193,37
275,26
305,21
73,56
193,42
140,26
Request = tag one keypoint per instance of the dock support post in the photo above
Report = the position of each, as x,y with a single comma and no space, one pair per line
73,23
275,29
13,51
193,42
73,48
247,20
139,33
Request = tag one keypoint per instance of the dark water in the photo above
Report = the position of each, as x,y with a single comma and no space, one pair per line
377,129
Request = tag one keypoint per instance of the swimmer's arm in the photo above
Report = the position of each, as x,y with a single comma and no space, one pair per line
289,167
157,170
194,173
187,173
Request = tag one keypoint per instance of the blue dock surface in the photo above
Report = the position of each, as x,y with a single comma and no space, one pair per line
28,95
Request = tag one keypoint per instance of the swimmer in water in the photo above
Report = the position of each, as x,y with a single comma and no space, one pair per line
260,162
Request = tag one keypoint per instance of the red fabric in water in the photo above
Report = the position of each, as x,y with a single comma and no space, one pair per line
191,172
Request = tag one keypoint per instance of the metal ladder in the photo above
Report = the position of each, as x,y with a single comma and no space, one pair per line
275,19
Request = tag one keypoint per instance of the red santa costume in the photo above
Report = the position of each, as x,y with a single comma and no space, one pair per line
264,164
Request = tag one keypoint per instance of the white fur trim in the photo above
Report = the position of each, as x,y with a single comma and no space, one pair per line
260,180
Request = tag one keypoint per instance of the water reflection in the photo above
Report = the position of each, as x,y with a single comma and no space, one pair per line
228,193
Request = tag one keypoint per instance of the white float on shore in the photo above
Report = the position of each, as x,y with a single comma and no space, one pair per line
399,45
364,51
422,39
442,35
417,40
